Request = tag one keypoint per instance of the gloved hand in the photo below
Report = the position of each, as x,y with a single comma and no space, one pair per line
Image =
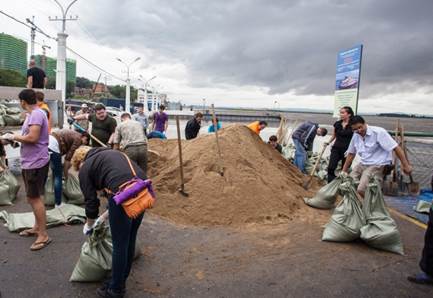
8,136
87,230
71,120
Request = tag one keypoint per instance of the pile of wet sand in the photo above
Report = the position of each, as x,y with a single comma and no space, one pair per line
258,185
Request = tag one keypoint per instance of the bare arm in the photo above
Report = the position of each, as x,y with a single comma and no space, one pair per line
407,168
29,82
32,137
166,125
332,138
66,167
348,163
82,117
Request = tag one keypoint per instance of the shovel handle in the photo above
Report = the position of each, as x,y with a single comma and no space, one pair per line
318,160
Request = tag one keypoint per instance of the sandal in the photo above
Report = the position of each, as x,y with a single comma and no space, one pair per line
40,244
28,233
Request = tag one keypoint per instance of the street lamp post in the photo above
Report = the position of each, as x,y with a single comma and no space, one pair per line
61,48
145,91
128,84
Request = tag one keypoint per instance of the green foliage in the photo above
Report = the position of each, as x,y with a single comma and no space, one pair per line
12,78
118,91
82,82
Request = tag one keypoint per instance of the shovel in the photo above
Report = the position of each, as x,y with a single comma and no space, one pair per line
306,184
391,188
413,187
179,143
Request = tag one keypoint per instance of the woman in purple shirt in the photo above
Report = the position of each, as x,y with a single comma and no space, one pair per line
34,163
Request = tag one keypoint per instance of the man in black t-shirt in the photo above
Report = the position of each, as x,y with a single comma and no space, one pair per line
36,77
103,125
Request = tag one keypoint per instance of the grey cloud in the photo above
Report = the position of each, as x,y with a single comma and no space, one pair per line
282,45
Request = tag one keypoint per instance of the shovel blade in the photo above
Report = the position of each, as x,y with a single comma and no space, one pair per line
414,188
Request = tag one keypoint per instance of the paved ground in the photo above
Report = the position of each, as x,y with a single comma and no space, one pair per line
177,261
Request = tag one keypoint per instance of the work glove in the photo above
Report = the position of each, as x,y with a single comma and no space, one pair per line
8,136
87,230
71,120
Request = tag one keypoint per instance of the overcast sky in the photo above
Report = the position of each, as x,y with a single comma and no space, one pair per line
251,53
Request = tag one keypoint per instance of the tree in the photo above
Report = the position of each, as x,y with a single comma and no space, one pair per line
82,82
70,88
12,78
119,91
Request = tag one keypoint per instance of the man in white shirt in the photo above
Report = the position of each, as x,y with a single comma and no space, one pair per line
375,146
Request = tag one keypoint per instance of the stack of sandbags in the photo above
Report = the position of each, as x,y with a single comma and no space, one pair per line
380,231
10,116
2,113
72,190
348,218
327,195
8,186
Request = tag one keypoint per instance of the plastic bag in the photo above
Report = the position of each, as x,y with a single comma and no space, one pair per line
348,218
72,190
381,231
8,186
424,202
95,259
327,195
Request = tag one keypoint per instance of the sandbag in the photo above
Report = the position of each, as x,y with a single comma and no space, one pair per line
348,218
95,258
65,214
380,231
13,120
2,121
72,190
8,186
327,195
13,110
49,197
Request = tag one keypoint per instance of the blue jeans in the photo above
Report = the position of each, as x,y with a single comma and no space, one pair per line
57,169
300,155
124,233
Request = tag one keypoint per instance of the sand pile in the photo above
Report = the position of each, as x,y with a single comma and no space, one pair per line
258,186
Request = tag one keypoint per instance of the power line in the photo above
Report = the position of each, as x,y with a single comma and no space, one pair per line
94,65
68,48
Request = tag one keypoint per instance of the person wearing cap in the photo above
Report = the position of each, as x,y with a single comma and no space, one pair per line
130,138
103,125
83,123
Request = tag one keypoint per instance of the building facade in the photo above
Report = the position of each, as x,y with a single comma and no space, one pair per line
13,53
49,65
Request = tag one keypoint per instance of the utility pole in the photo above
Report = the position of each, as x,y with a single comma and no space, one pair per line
61,48
128,84
32,36
44,55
